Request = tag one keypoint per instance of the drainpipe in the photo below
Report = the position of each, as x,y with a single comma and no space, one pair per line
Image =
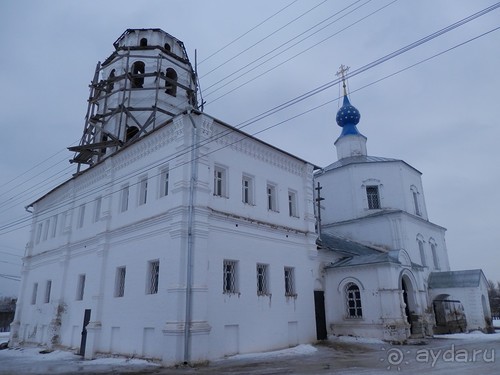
189,270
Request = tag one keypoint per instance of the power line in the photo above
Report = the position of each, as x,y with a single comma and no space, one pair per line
302,113
274,50
302,97
266,37
247,32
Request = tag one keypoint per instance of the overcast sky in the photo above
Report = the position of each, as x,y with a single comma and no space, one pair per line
441,116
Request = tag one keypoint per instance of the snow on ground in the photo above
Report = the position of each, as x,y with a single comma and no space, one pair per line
474,335
296,350
4,337
355,339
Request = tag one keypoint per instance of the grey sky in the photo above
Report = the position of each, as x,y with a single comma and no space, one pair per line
442,116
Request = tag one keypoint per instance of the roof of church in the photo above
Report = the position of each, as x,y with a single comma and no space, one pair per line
346,246
455,279
358,160
348,117
389,257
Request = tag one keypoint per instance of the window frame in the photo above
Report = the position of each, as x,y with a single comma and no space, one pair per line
354,306
230,276
247,189
421,249
262,273
80,287
153,277
143,190
120,276
289,277
272,197
435,257
164,182
124,198
220,181
292,204
48,289
373,197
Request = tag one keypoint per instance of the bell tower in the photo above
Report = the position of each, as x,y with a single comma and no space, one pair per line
146,81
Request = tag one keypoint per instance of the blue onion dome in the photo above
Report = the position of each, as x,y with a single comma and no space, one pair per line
348,117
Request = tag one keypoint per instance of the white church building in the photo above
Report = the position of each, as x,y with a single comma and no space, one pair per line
184,239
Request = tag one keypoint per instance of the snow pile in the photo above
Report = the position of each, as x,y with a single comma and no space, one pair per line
4,337
474,335
356,339
297,350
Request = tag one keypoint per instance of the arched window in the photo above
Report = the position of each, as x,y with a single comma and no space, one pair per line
137,74
420,242
416,200
167,47
144,42
353,301
435,256
171,82
131,132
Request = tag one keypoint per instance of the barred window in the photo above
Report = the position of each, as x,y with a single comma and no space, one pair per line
80,287
33,295
230,277
353,296
120,282
153,276
262,279
290,282
372,194
48,286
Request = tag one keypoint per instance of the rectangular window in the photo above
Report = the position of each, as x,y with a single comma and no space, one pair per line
54,226
220,181
143,190
290,282
153,276
373,197
247,190
271,198
164,182
292,204
120,282
33,295
97,209
80,288
262,279
230,277
81,216
48,286
124,198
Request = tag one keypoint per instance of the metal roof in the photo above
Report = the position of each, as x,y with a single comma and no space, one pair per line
361,160
346,246
455,279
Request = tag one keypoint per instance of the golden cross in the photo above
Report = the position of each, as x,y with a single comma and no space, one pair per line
342,70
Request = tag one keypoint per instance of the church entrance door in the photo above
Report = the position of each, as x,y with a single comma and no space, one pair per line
319,306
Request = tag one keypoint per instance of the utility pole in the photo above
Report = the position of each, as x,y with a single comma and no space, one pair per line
318,202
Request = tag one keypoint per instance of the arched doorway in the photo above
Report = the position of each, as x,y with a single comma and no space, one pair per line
410,305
